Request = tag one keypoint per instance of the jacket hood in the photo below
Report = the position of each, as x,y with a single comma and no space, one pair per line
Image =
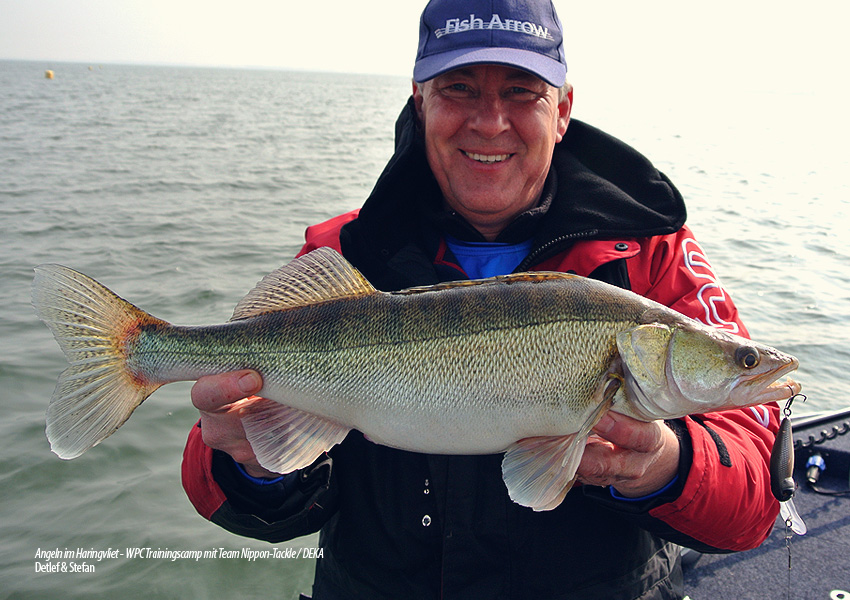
607,186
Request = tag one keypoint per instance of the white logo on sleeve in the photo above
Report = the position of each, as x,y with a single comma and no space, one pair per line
761,414
711,293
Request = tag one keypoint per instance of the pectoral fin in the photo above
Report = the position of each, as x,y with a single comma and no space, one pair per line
285,439
539,471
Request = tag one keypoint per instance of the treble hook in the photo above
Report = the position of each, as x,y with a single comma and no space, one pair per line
787,410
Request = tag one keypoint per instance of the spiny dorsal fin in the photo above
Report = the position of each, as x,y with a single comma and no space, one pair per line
320,275
531,276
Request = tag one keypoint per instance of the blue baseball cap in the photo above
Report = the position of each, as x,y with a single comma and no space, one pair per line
526,35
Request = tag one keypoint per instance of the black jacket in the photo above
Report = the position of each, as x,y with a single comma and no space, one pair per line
396,524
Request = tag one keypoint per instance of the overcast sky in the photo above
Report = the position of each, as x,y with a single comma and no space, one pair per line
757,42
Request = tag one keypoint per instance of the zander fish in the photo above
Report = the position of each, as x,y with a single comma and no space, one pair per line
524,364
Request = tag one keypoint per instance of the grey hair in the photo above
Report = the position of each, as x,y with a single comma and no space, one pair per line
564,90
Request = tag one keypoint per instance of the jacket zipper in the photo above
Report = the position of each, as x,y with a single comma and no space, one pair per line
529,260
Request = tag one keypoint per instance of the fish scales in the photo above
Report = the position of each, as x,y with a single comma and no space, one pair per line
524,364
480,367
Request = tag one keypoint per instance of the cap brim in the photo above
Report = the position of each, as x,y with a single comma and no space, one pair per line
549,70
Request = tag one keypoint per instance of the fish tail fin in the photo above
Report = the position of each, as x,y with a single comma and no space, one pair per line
95,328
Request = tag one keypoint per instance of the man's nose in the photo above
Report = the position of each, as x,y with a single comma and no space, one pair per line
490,116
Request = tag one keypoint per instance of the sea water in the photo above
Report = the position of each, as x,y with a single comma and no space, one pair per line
179,188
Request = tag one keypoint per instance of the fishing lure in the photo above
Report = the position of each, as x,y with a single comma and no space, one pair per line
782,484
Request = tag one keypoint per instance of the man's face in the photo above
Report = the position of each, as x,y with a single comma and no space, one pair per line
489,135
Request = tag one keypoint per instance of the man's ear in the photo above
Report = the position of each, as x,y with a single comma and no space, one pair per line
417,100
565,108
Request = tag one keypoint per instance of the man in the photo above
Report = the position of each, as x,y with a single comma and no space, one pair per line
490,176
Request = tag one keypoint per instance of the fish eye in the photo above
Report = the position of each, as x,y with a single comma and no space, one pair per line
747,357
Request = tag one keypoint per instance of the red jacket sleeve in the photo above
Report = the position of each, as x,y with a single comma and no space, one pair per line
327,233
203,492
675,271
726,501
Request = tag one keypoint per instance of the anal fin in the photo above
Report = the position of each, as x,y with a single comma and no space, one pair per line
285,439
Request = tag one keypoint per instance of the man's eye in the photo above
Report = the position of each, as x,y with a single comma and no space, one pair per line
521,91
457,90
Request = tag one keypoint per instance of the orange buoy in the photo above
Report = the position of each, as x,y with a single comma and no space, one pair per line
48,74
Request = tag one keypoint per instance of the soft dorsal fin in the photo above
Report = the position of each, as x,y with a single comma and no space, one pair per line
320,275
532,276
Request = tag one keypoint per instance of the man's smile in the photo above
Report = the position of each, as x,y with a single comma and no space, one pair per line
487,159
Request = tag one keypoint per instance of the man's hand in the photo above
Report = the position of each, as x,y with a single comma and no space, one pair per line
634,457
221,400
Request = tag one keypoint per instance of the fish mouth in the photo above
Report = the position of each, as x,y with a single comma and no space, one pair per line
769,389
779,391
